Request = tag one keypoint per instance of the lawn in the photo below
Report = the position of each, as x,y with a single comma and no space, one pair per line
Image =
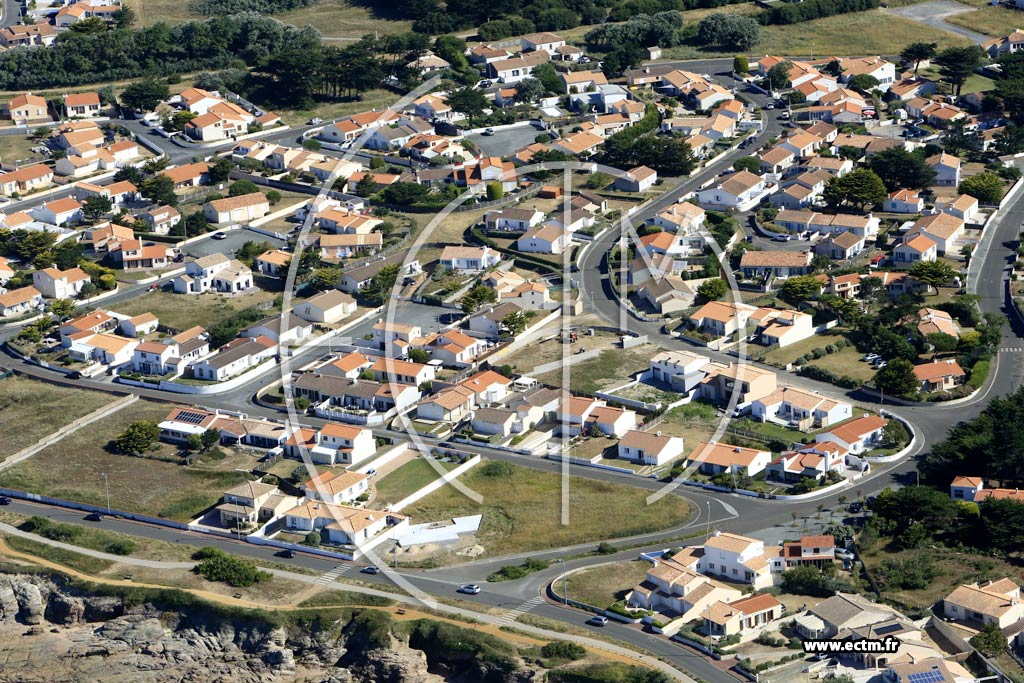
371,99
15,148
407,479
992,21
847,361
28,413
610,368
694,422
781,357
137,484
522,511
182,311
844,34
604,585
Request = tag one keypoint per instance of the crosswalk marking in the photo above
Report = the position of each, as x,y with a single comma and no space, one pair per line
510,617
1011,349
330,576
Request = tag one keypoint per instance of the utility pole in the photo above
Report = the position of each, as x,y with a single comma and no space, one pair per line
106,487
708,523
565,583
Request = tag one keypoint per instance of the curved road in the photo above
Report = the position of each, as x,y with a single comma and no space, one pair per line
727,511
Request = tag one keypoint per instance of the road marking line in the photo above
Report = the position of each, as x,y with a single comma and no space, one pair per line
330,576
511,616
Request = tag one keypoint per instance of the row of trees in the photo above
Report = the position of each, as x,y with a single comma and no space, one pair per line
793,13
78,58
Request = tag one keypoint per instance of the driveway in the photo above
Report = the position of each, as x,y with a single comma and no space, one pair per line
505,142
934,13
228,246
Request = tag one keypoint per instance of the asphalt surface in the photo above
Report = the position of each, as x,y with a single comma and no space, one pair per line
232,242
934,13
502,141
722,511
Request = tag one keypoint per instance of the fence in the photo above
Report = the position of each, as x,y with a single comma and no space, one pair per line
56,436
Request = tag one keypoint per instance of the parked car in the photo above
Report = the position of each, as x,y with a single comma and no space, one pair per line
371,472
871,357
855,506
598,621
584,60
879,364
485,84
4,500
315,120
219,235
781,238
469,589
770,105
372,569
844,554
784,116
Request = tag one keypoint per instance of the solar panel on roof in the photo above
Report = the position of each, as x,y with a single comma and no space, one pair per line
190,418
933,676
889,628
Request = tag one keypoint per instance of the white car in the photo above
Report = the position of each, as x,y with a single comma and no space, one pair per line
598,621
469,589
871,357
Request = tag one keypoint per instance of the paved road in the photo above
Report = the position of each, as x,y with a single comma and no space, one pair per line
934,13
726,511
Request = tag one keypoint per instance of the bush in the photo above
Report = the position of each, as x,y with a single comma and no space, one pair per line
605,548
561,649
216,565
125,547
497,468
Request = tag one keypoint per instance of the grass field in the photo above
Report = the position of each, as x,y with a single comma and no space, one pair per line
28,410
17,148
522,511
371,99
992,21
182,311
602,586
333,18
954,568
844,34
610,368
406,480
137,484
694,422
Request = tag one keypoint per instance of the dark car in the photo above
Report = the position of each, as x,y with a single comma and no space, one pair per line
74,375
370,570
287,554
94,517
855,507
4,500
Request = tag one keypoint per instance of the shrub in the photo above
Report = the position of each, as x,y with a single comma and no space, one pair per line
302,403
125,547
497,468
561,649
605,548
216,565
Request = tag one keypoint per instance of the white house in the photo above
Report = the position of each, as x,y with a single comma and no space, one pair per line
638,179
327,307
903,201
239,209
645,448
59,284
336,487
917,248
797,406
283,328
722,458
857,436
465,259
739,559
946,167
739,191
549,238
214,272
234,358
514,219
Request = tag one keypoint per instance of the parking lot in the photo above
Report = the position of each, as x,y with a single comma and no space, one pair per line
229,245
505,142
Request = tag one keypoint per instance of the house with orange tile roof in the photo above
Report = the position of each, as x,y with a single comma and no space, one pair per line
134,255
721,318
746,615
740,191
988,602
859,435
188,175
966,488
809,410
336,487
448,405
453,348
26,109
817,551
717,458
104,348
85,104
903,201
914,249
327,307
59,284
1008,44
402,372
964,207
18,301
647,448
272,261
26,179
816,460
243,208
342,525
939,375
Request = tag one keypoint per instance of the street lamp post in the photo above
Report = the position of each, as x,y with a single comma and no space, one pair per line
708,523
565,583
106,487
